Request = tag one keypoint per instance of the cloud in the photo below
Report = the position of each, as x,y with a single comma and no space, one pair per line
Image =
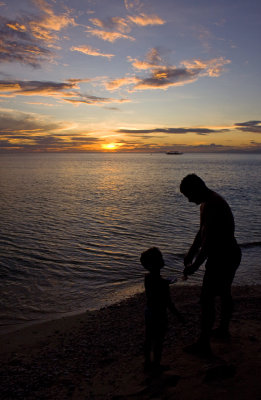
117,83
114,28
30,132
177,131
20,123
28,39
18,45
113,23
188,72
144,20
94,100
249,126
79,80
12,88
152,60
132,5
47,143
39,103
212,68
44,26
124,24
109,36
163,77
91,51
66,91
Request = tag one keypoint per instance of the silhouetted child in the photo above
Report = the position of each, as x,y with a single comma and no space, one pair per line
158,301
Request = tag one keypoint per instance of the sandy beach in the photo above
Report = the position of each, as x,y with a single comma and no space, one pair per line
99,355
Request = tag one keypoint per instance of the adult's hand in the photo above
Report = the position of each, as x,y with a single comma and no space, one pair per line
188,260
190,269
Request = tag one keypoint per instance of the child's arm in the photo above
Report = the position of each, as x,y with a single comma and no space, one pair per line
173,309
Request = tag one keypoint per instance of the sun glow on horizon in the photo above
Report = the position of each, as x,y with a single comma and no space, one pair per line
110,146
85,78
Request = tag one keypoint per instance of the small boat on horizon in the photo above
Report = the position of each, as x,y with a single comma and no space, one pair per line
174,152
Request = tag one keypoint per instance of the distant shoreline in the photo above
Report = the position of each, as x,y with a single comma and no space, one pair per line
184,151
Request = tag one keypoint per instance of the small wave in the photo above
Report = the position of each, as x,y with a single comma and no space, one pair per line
249,244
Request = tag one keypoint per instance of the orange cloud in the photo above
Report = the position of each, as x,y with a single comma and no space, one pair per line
94,100
152,60
213,67
114,23
16,26
37,88
132,4
22,40
141,64
144,20
163,77
18,45
31,132
117,83
67,91
116,27
109,36
91,51
42,28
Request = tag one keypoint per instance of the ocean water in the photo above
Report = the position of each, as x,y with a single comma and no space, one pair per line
73,225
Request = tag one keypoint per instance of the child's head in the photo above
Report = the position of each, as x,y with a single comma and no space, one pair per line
152,259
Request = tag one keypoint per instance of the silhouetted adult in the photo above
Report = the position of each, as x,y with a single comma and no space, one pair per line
214,243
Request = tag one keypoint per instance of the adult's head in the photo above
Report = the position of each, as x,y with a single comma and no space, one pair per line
194,188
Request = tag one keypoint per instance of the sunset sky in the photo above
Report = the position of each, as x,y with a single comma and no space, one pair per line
130,75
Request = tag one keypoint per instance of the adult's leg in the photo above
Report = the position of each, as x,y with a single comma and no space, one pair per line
207,300
233,262
226,311
208,310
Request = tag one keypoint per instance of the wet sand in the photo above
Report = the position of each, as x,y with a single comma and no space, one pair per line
99,355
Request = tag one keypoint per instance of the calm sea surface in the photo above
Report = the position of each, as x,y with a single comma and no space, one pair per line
73,225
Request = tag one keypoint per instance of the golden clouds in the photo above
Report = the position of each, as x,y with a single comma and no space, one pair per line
213,67
109,36
145,20
162,76
28,39
42,27
117,83
114,28
29,132
16,26
66,91
91,51
114,23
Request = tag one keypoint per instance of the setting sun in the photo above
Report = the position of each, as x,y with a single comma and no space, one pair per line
109,146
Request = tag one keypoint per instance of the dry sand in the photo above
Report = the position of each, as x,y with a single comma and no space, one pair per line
98,355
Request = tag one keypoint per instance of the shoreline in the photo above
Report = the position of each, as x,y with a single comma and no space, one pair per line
10,321
13,328
99,354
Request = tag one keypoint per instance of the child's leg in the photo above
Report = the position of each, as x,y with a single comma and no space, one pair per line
147,345
158,344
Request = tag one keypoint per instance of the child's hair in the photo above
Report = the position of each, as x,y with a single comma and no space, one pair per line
152,259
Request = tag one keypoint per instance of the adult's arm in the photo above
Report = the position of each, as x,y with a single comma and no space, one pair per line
193,249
